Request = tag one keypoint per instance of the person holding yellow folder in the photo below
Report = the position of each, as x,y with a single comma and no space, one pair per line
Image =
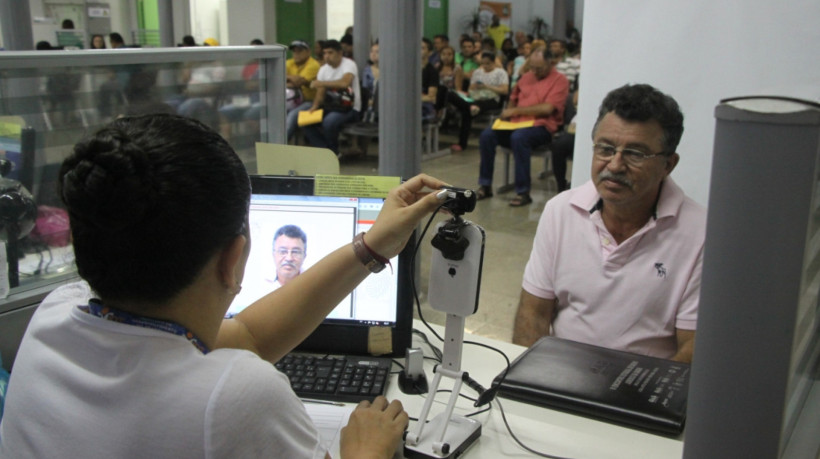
337,95
538,98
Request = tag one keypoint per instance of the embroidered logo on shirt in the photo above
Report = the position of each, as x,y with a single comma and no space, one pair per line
661,270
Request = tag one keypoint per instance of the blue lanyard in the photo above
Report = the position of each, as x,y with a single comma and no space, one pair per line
108,313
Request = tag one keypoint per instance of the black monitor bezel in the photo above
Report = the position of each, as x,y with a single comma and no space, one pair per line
335,338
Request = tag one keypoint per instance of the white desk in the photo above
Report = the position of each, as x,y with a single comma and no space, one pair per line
548,431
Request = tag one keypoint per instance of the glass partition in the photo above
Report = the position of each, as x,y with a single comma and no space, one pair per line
51,99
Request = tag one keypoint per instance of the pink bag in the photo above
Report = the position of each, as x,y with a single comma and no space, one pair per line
52,227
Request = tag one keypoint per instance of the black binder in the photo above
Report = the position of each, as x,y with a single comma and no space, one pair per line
629,389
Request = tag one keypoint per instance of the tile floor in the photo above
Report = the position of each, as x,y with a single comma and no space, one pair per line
509,232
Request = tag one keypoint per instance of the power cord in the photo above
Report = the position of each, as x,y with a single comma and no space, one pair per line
520,443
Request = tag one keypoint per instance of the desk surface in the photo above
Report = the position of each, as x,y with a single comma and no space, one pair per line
545,430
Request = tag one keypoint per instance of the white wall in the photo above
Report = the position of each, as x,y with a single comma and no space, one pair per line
339,18
699,52
205,21
242,22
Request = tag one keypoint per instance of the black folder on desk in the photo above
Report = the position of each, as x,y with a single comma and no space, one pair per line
625,388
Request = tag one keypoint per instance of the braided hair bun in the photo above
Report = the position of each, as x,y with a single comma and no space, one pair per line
108,181
151,199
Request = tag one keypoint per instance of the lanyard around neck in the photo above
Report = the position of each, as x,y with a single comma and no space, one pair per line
96,308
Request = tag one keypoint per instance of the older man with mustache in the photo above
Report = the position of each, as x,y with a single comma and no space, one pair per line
617,261
289,251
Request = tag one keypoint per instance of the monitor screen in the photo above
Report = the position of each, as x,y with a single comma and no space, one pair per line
291,230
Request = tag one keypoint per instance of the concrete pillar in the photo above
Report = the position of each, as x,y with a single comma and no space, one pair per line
559,19
400,87
15,20
361,32
165,9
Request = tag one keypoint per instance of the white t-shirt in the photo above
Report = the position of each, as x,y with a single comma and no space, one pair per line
629,296
328,73
496,77
86,387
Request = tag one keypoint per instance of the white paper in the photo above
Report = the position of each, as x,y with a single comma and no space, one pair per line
329,419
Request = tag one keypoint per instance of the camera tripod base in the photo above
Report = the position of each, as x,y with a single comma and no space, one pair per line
461,433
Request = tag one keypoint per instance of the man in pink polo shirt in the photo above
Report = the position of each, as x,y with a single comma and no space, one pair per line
617,261
539,96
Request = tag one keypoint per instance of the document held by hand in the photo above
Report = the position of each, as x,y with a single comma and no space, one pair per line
501,125
307,118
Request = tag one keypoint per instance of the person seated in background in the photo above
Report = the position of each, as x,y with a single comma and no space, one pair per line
449,72
300,71
97,42
138,358
202,84
521,38
339,95
370,74
347,45
318,53
477,37
539,97
188,40
467,60
116,40
247,105
563,144
488,84
488,46
508,52
569,66
429,82
514,67
440,41
617,261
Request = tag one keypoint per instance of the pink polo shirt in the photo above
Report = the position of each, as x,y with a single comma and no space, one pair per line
630,296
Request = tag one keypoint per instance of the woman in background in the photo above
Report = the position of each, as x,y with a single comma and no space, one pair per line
488,83
448,71
97,42
370,75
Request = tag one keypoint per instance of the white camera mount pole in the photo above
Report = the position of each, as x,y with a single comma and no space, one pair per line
455,276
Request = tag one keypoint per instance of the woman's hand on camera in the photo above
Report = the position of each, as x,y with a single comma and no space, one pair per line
403,209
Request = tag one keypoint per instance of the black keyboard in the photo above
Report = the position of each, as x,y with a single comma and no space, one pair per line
336,378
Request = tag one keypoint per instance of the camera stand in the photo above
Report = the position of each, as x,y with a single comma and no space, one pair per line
455,276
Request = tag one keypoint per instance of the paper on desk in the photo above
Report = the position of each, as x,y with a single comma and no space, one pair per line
307,118
329,418
501,125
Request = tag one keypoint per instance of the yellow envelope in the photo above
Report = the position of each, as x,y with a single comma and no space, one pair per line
307,118
501,125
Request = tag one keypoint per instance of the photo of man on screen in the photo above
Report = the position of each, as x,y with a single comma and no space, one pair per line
289,251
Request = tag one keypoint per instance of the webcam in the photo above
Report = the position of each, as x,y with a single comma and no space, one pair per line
458,201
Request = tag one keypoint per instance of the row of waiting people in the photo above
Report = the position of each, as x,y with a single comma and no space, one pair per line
468,82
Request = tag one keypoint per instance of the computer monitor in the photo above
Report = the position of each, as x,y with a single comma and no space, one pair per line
376,318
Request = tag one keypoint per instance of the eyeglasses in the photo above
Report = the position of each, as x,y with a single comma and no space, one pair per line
633,157
295,253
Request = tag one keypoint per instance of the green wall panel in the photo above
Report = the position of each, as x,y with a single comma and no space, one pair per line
294,20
